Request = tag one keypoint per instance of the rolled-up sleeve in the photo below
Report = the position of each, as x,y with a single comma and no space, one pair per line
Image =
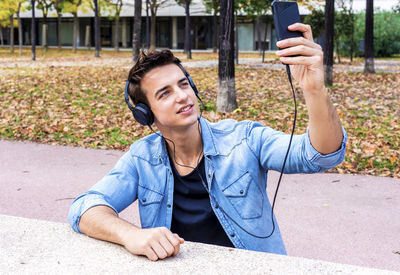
270,147
116,190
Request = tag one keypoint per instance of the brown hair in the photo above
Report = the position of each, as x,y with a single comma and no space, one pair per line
145,63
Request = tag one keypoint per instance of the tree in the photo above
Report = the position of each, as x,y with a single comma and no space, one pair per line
137,30
328,40
212,6
188,40
369,38
147,25
396,8
226,99
19,27
96,29
344,27
256,9
8,9
73,6
44,6
316,19
33,31
154,5
58,7
114,8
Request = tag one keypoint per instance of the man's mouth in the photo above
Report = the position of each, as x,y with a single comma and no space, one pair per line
185,108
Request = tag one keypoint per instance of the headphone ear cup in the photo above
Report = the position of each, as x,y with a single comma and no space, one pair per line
143,114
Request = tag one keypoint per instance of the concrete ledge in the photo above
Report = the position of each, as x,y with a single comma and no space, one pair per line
36,246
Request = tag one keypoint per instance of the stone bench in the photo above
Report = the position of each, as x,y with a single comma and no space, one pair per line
36,246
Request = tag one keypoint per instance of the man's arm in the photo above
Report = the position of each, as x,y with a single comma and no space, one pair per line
101,222
325,129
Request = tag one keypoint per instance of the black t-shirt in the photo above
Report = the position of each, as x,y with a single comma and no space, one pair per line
192,217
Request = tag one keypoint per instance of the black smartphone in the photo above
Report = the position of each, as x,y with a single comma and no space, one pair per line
285,13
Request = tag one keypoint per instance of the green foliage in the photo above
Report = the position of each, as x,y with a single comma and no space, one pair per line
317,21
386,32
212,6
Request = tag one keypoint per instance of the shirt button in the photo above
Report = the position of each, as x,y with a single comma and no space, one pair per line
232,235
209,175
144,200
216,206
241,192
170,172
168,205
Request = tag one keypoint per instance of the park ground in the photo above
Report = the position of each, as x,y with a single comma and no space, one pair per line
75,99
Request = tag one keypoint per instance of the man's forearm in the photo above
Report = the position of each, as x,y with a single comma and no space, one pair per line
101,222
325,129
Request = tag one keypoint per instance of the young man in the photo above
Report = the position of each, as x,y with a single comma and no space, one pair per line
202,181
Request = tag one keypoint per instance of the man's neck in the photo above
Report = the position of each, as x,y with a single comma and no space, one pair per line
188,145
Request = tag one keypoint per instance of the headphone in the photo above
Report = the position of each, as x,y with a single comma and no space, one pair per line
142,112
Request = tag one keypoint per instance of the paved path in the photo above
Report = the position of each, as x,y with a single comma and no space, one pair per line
339,218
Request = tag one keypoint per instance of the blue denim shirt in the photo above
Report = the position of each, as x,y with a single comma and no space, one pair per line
237,158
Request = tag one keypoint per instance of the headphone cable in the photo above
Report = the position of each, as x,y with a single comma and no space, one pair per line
280,176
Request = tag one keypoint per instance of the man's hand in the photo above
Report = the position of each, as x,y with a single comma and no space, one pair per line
154,243
101,222
307,68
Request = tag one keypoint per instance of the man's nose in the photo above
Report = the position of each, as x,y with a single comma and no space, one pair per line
181,95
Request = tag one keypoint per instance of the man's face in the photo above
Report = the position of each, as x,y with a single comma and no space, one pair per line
171,98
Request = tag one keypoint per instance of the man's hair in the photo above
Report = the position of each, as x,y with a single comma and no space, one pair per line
145,63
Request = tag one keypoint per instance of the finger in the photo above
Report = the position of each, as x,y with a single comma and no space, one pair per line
168,246
150,254
303,28
301,60
178,245
299,50
291,42
180,239
159,250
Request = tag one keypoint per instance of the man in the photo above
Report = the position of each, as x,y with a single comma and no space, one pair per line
202,181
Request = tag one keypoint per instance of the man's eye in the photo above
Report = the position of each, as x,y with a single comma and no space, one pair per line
185,84
164,94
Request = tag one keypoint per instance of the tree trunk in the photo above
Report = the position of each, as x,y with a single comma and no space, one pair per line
236,43
44,37
369,38
19,29
258,29
263,44
1,36
12,33
137,30
352,32
59,31
33,31
337,50
96,29
328,41
153,30
188,39
215,31
147,25
116,34
226,99
75,32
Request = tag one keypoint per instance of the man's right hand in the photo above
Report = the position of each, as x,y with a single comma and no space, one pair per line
154,243
101,222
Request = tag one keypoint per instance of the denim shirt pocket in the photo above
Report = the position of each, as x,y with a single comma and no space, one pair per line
149,205
245,196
